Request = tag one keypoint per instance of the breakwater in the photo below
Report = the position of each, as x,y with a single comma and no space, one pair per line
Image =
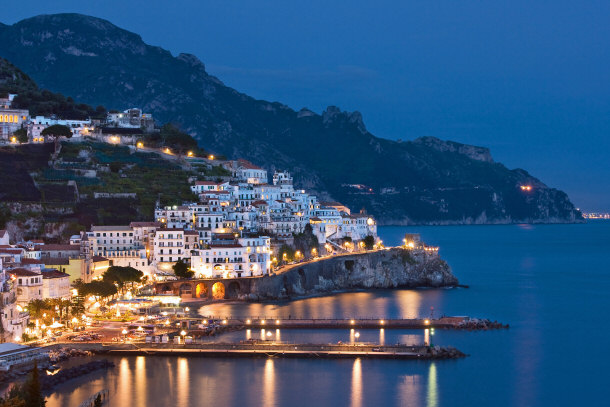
465,323
273,349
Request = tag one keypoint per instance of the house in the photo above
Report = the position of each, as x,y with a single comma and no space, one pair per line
28,285
55,284
13,319
12,120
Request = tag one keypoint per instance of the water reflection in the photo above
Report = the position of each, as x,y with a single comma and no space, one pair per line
183,380
269,384
356,396
140,380
382,336
432,386
409,390
248,334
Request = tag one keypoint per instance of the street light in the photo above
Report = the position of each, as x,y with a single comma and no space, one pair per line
183,334
124,332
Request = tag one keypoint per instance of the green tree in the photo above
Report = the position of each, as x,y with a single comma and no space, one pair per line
286,253
22,135
369,242
32,394
306,241
99,289
56,131
122,275
181,270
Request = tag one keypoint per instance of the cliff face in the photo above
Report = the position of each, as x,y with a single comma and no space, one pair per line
385,269
332,154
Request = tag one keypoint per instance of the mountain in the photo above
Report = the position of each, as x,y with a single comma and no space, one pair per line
426,180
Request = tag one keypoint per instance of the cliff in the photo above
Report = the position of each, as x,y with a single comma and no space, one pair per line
332,154
391,268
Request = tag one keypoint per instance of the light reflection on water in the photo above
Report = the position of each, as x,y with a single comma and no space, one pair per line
356,397
522,276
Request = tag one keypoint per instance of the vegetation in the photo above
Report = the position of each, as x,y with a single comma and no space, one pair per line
99,289
181,270
369,242
21,135
28,394
286,253
306,241
56,131
41,102
171,136
121,276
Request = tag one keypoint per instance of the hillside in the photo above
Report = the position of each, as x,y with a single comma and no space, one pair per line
422,181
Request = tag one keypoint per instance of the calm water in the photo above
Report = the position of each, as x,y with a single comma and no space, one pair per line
550,283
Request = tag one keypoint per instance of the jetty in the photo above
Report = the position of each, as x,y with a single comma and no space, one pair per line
255,348
465,323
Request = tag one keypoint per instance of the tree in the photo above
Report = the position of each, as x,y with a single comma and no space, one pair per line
181,270
121,275
306,241
286,253
56,131
100,289
369,242
32,394
22,135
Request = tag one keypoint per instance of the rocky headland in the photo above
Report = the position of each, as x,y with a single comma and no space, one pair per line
391,268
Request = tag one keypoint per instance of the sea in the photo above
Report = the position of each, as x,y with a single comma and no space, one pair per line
550,283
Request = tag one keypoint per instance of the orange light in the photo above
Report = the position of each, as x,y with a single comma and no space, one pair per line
211,157
190,153
526,187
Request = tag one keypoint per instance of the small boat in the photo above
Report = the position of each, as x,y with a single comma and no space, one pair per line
52,368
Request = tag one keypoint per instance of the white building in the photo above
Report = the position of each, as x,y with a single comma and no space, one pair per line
246,257
55,284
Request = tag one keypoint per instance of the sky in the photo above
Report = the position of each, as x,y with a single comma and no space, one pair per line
528,79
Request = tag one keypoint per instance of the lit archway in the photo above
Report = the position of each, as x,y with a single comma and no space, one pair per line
201,291
218,291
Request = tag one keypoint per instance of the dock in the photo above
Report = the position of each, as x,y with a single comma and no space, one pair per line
352,323
275,349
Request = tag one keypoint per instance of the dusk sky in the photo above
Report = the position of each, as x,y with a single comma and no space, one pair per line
528,79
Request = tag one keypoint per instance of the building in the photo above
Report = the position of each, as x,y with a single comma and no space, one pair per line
12,120
13,355
13,319
55,284
28,285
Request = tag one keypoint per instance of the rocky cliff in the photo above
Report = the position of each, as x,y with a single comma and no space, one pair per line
383,269
333,154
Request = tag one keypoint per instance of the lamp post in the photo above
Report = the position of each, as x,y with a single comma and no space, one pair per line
124,332
183,334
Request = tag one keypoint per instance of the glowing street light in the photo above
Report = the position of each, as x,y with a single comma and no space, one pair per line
139,144
190,153
211,157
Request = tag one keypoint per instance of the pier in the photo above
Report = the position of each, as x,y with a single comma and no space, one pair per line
275,349
349,323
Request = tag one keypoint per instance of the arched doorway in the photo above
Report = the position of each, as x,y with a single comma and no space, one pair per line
201,291
186,289
218,291
233,289
166,289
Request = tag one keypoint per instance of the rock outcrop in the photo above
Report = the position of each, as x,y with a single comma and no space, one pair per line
391,268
